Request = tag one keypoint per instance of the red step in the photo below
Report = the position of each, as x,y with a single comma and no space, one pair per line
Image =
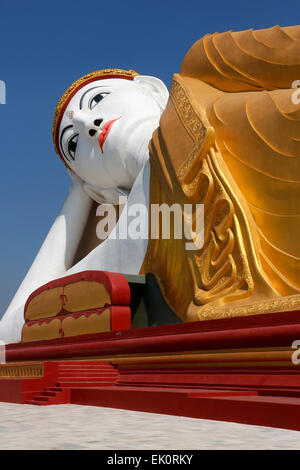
242,407
87,374
84,384
79,375
102,369
40,398
51,396
103,365
48,394
36,402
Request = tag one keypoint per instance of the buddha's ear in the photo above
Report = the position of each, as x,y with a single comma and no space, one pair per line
155,87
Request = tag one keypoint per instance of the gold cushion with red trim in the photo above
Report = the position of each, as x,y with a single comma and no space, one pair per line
83,303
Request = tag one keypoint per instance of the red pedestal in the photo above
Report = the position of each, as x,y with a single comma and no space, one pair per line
162,370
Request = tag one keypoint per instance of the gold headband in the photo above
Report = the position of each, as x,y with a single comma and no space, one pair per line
67,96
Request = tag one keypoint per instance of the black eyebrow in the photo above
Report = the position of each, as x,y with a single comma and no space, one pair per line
60,141
90,89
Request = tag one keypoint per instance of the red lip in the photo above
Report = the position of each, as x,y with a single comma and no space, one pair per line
105,131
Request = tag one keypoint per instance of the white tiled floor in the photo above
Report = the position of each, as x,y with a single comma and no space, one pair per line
84,427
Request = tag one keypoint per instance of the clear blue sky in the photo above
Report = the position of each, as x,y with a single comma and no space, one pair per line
45,46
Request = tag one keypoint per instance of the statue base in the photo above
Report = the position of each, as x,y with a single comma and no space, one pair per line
236,369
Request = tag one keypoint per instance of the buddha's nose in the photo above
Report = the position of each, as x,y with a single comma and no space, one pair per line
88,125
96,124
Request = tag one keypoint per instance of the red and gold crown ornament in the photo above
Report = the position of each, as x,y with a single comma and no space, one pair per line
72,90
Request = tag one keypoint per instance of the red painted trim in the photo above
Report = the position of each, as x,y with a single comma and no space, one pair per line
278,329
120,318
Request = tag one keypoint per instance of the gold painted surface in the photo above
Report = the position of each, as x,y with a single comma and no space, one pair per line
258,357
85,295
83,325
215,358
260,144
230,139
46,304
203,365
41,331
246,60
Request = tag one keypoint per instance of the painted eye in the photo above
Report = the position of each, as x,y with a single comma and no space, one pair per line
72,145
96,99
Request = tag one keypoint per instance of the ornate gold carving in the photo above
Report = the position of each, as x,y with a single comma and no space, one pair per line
219,270
276,305
203,138
189,116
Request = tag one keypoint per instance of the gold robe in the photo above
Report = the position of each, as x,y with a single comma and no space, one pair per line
230,139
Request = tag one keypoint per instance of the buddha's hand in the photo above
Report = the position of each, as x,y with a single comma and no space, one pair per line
115,196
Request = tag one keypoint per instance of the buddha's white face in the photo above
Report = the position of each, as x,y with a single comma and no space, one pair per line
106,128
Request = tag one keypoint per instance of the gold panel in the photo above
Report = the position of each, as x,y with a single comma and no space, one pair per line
41,331
85,295
93,323
46,304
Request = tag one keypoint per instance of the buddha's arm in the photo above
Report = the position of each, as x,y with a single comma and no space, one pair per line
58,250
250,60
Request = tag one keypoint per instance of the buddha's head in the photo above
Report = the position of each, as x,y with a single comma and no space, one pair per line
103,124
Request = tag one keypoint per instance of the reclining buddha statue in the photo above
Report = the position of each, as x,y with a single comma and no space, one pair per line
227,136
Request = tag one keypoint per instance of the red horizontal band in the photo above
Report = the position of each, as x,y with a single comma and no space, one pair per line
268,330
